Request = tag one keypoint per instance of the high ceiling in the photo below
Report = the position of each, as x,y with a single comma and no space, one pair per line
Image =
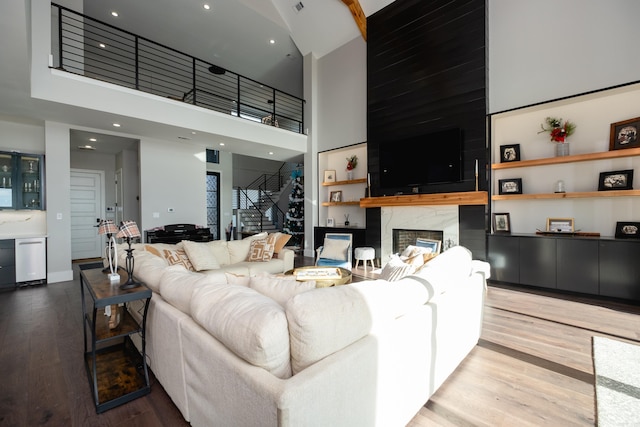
234,34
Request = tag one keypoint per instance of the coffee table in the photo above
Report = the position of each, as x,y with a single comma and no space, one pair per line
322,281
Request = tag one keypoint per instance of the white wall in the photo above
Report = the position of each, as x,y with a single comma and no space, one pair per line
546,49
172,176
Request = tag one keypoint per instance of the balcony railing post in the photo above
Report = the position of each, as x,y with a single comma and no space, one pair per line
60,37
193,77
238,103
137,41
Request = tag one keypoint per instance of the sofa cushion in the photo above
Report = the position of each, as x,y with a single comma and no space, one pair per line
280,289
323,321
237,279
200,255
262,249
148,269
177,285
447,269
250,324
220,251
238,250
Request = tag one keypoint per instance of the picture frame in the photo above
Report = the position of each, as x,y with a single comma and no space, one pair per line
329,176
624,134
510,153
335,196
560,225
330,222
627,230
616,180
510,186
501,222
434,245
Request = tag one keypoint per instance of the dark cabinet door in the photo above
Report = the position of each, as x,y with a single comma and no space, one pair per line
620,269
7,263
577,266
504,256
538,261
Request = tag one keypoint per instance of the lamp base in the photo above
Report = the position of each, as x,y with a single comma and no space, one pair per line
130,284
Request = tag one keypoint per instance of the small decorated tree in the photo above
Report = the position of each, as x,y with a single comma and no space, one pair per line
294,219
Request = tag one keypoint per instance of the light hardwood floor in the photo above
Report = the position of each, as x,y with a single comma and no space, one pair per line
532,366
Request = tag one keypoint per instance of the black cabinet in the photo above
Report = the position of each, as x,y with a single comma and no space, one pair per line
504,258
538,262
7,264
577,265
21,181
595,266
620,269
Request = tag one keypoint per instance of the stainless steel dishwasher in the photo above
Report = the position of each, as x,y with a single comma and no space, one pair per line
31,261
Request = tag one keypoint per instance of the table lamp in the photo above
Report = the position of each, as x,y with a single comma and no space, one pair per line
108,227
129,230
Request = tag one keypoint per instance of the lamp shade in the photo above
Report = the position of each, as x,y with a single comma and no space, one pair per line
128,229
107,227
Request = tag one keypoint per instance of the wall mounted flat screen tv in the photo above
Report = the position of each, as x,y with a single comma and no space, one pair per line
433,158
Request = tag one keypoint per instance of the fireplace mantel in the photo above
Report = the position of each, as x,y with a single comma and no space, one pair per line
460,198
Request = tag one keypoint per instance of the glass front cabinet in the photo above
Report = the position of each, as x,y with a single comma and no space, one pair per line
21,181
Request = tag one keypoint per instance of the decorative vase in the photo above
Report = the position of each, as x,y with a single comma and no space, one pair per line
349,175
562,149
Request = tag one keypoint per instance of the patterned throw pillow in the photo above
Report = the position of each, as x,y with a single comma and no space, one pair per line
396,269
281,240
262,249
178,256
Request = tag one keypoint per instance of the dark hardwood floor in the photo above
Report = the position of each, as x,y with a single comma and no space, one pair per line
531,367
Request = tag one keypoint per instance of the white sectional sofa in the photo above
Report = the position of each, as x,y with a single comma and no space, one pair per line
269,351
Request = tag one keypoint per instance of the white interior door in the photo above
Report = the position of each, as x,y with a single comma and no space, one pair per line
87,202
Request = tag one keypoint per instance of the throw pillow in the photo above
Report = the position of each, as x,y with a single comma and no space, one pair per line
262,250
236,279
179,256
396,269
335,249
152,250
200,255
281,240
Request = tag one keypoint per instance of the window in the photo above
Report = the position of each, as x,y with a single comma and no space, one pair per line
213,204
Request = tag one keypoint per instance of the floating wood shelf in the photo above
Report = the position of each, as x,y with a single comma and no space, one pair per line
439,199
353,203
576,195
629,152
351,181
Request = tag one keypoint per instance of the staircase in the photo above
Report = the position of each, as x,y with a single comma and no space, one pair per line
257,204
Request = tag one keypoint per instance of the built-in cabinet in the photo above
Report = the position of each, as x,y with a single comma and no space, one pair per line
597,265
21,181
340,190
7,264
594,266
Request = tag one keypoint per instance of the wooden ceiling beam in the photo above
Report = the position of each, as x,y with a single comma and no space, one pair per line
358,16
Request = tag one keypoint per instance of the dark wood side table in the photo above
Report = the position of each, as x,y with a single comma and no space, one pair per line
117,372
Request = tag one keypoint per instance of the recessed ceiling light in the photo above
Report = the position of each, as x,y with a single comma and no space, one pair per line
222,144
117,125
114,13
86,147
193,132
272,41
92,139
102,45
206,6
271,153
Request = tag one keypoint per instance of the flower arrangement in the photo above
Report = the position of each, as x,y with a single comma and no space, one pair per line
558,130
352,162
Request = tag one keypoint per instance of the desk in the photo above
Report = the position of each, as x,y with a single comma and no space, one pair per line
117,372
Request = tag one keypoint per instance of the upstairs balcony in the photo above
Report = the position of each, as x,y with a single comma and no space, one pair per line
85,46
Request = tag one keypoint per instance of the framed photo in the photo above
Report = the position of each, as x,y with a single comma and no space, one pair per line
329,176
434,245
330,222
616,180
510,186
627,230
510,153
560,225
335,196
624,134
501,223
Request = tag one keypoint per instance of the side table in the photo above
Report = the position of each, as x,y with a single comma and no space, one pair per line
117,372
